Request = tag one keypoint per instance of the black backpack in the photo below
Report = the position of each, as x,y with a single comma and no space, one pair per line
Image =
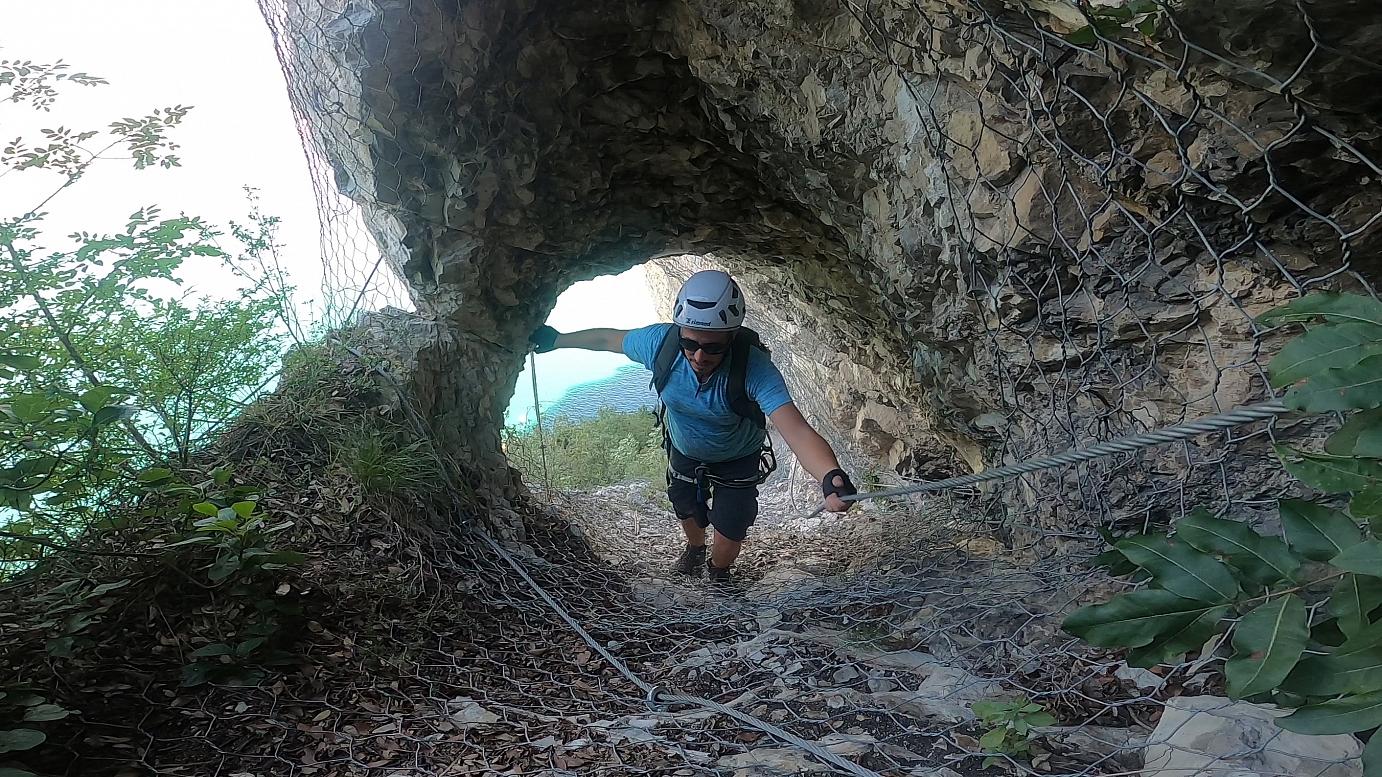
739,400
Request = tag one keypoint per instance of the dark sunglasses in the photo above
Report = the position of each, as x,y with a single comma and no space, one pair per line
713,349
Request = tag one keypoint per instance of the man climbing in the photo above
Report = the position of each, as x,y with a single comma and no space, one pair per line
717,387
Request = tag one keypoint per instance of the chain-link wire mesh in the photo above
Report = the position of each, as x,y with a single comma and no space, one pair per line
1115,191
1132,304
356,275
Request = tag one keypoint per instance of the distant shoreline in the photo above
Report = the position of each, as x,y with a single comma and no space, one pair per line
626,390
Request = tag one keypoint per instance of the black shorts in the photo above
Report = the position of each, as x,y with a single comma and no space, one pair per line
731,510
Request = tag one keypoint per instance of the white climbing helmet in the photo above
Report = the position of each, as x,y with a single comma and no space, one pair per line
709,300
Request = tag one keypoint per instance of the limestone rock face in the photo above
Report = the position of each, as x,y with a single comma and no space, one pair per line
977,238
1211,735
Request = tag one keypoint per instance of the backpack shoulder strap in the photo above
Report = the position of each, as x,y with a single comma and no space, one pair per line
736,392
739,400
667,354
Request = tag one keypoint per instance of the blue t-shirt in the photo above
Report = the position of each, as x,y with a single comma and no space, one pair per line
699,419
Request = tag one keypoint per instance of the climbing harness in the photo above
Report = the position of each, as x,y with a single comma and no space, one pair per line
736,394
767,465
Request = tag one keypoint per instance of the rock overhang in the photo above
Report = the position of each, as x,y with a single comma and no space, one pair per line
988,248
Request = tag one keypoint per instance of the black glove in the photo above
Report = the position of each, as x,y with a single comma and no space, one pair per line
544,339
828,486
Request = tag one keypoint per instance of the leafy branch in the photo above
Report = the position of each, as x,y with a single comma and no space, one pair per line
51,545
99,375
64,336
36,83
1302,612
107,385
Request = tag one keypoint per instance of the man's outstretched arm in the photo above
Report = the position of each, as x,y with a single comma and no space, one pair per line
547,339
814,453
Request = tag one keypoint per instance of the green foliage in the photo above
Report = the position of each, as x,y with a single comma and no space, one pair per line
380,465
1134,619
1010,725
21,717
109,379
72,608
238,535
1345,715
1140,18
225,541
1268,642
1311,640
86,321
1325,308
1180,569
36,83
872,479
248,658
613,447
191,368
218,537
1261,559
20,714
103,373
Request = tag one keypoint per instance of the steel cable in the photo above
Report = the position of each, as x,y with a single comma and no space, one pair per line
1128,444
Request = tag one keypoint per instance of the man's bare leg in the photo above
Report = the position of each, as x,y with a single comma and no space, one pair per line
695,535
724,551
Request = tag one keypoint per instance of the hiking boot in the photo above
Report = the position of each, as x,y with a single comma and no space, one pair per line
690,561
717,575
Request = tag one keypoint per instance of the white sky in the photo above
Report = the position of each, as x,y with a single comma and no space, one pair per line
614,301
215,55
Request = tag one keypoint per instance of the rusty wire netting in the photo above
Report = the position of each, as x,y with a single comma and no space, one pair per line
1118,190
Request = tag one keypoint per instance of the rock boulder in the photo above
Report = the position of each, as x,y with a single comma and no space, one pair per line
1215,737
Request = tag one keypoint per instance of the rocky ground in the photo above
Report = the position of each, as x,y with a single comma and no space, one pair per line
874,634
420,651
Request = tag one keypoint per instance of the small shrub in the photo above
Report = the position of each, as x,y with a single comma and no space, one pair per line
246,659
20,714
102,373
228,539
614,447
381,466
1010,727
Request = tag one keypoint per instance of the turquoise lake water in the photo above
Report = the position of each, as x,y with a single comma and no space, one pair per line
578,384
